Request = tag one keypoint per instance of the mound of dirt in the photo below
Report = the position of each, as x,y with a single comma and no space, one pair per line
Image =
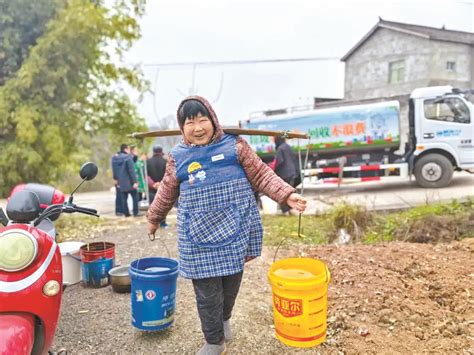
434,229
400,297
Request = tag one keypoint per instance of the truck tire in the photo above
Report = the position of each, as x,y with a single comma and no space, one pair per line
433,171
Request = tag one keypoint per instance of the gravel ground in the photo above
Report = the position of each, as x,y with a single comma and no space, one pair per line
392,298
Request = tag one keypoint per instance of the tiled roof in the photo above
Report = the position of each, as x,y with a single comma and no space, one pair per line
430,33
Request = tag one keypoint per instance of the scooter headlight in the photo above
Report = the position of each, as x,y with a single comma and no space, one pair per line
18,249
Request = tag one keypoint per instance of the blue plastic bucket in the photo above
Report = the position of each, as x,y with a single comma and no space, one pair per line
96,273
153,294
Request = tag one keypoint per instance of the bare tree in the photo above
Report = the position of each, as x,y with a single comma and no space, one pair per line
167,122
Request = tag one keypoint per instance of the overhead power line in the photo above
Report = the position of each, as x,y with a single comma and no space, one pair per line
240,62
194,65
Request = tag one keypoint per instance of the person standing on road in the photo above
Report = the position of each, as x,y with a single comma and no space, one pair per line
126,179
286,167
219,227
118,194
156,167
139,167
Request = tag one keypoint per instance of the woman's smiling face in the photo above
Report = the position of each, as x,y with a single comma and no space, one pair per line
198,130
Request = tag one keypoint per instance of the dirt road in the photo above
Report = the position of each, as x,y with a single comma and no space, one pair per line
385,299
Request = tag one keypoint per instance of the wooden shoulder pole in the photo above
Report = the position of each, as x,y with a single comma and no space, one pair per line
229,130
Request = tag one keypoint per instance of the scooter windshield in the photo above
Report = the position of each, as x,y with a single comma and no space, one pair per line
47,226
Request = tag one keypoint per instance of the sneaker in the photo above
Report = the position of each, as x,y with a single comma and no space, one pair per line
118,214
164,225
227,331
212,349
139,214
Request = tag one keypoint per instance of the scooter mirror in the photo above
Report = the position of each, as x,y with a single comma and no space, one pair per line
88,171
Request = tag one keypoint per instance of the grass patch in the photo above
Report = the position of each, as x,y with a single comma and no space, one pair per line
354,219
425,224
317,229
275,228
428,223
77,227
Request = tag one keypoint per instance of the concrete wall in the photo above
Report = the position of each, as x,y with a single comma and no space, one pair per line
367,70
461,54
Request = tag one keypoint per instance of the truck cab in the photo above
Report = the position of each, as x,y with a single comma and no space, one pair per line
444,134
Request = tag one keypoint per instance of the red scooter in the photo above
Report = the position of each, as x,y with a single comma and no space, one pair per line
31,270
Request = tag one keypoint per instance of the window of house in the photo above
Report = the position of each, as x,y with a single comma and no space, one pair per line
397,71
451,66
449,109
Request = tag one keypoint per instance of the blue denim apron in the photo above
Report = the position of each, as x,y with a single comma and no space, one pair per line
218,219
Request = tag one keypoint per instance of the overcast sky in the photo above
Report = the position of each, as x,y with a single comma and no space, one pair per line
225,30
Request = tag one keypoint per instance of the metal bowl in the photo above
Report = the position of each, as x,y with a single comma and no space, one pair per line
119,279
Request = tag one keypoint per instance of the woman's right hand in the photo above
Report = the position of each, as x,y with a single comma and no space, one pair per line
152,228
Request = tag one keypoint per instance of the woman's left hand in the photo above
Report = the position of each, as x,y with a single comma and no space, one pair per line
297,202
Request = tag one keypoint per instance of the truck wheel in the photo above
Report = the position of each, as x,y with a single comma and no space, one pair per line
433,170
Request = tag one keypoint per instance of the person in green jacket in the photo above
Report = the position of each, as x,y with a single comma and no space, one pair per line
139,166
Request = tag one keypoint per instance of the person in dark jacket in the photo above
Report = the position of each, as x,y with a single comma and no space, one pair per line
156,167
126,179
286,166
118,194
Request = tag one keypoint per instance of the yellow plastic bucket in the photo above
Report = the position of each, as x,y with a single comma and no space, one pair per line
299,287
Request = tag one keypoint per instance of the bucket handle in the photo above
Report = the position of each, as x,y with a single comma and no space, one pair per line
278,248
328,274
153,237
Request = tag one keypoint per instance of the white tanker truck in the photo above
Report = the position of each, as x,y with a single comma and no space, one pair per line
363,142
